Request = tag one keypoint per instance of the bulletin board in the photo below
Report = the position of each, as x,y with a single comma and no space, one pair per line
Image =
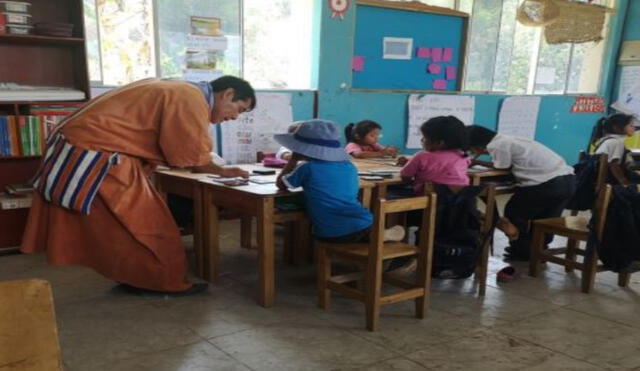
438,46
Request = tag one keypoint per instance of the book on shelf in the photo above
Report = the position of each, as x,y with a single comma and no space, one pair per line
26,135
8,202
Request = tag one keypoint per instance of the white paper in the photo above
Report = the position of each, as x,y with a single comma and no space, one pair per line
423,108
629,95
546,75
197,75
519,116
254,131
629,77
206,42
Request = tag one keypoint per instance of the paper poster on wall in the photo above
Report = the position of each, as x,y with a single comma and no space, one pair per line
519,116
254,131
629,103
422,108
588,105
629,77
200,42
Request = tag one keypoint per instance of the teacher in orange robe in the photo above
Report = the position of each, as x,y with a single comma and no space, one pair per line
129,234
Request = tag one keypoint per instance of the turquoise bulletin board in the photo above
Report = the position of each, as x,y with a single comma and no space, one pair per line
438,37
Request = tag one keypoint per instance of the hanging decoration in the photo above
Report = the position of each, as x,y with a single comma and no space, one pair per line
564,21
338,8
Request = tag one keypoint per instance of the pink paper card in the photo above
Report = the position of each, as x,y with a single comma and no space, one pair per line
434,68
447,54
436,54
423,52
450,73
439,84
357,63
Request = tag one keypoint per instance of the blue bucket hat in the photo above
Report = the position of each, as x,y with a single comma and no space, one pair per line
318,139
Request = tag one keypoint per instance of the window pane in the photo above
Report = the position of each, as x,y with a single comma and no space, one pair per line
126,42
505,45
215,22
444,3
277,51
92,42
552,68
466,6
523,58
483,41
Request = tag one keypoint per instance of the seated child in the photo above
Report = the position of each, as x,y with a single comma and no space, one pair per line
443,160
330,183
545,183
608,138
362,141
284,153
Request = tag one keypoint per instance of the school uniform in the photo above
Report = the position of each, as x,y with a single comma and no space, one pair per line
545,184
613,146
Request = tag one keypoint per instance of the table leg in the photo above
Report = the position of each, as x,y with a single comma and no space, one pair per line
210,236
266,253
198,243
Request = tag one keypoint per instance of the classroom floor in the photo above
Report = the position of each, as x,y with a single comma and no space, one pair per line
530,324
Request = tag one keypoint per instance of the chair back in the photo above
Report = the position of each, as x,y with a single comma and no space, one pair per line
603,172
383,207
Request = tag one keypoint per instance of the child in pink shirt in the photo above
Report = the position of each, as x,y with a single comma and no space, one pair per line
443,160
362,141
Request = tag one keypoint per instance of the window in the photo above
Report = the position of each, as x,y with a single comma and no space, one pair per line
199,40
504,56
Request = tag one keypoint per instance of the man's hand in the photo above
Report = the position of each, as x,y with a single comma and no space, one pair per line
232,172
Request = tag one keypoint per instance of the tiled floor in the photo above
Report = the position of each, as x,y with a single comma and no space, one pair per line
530,324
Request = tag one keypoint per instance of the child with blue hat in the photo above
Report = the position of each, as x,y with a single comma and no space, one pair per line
330,183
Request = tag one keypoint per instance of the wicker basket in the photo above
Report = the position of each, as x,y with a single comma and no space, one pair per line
537,13
576,23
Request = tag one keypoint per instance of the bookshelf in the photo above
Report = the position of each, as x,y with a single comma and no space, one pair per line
38,61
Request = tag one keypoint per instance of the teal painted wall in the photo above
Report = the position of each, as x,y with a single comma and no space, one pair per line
557,128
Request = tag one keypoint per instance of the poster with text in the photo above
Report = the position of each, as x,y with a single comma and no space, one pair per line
519,116
423,108
254,131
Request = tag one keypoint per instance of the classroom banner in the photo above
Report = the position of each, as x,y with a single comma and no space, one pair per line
254,130
423,108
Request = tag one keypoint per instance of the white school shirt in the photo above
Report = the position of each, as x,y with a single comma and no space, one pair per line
613,148
531,163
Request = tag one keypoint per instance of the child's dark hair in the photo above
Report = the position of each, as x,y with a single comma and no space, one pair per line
479,136
609,125
446,129
361,129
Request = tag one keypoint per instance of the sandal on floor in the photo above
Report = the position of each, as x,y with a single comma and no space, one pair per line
507,274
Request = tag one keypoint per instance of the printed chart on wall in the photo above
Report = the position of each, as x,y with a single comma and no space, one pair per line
423,108
519,116
254,131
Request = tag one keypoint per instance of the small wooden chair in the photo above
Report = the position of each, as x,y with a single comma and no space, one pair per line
371,256
576,229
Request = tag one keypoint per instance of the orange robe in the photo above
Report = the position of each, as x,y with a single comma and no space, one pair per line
130,235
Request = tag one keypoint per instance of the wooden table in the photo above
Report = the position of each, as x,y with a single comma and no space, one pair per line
255,200
369,165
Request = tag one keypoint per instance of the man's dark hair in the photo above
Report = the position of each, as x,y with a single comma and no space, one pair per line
243,90
446,129
479,136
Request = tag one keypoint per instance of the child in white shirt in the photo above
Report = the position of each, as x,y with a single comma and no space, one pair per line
545,183
608,138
